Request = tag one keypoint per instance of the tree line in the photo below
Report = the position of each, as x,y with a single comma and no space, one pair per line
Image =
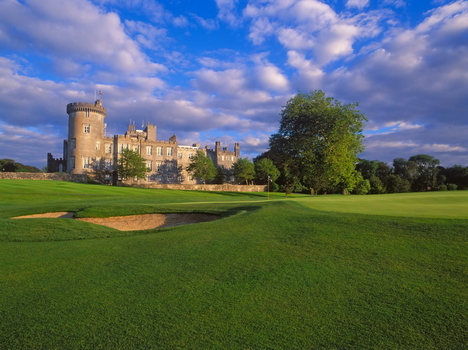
316,151
10,166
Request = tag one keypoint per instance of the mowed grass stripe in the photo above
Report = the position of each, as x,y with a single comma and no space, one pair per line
449,204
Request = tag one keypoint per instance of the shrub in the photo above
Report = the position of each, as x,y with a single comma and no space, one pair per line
452,187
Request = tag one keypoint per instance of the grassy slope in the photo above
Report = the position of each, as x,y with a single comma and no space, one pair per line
276,275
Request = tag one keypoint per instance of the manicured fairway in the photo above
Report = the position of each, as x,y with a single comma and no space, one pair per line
286,273
449,204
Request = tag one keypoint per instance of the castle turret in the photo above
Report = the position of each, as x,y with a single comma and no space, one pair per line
85,133
237,150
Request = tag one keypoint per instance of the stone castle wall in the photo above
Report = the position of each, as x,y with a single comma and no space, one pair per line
220,188
80,178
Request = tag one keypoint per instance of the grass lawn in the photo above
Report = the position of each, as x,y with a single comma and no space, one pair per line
323,272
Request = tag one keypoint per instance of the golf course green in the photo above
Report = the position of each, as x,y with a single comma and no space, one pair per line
273,272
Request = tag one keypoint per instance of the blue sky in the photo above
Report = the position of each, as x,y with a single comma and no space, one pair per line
223,69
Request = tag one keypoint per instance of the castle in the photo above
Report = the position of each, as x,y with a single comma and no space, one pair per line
88,149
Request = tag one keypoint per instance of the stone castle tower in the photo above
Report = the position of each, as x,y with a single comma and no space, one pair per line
88,148
86,131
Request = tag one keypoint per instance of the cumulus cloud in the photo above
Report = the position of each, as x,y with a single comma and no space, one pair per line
310,26
146,34
205,23
412,73
271,78
59,32
227,11
27,146
357,3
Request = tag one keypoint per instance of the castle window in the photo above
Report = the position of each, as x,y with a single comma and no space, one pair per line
169,151
159,151
85,162
158,165
149,150
179,155
98,145
149,165
72,162
86,128
73,143
108,148
135,148
222,157
108,163
190,155
122,147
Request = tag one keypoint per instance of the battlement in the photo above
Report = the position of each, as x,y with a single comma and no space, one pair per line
84,106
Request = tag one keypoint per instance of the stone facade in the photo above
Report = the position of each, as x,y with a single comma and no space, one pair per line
80,178
88,148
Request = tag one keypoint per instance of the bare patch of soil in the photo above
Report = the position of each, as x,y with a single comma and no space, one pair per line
134,222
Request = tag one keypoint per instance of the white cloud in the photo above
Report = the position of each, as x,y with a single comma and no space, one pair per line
335,42
295,40
272,79
180,21
395,3
357,3
310,26
229,81
58,32
209,24
260,29
309,76
145,34
226,11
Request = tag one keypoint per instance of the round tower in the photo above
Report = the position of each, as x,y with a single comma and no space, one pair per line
85,135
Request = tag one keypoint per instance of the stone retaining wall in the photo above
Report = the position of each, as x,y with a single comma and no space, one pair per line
223,188
81,178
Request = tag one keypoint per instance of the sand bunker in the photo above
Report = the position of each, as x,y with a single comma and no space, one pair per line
134,222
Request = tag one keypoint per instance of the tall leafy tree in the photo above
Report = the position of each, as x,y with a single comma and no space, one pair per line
202,167
456,175
244,170
265,170
397,184
427,171
406,169
131,164
318,141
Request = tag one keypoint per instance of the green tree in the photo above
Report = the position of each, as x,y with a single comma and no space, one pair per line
9,165
367,168
202,167
363,186
244,170
265,170
131,164
427,171
397,184
457,175
318,142
98,171
405,169
376,172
